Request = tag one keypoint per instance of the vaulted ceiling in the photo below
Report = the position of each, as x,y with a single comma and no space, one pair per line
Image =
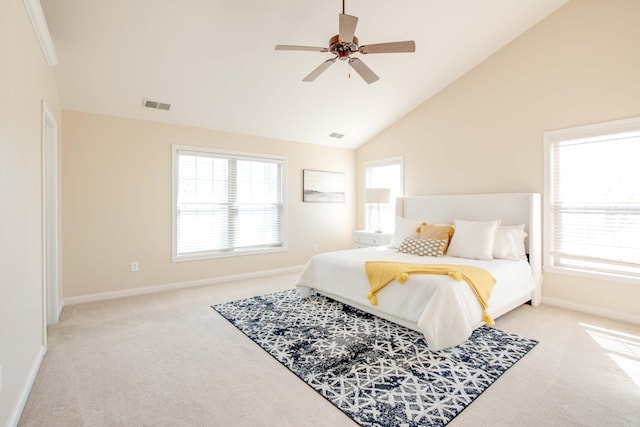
214,61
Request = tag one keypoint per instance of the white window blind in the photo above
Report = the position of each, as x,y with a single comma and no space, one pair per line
383,174
227,203
595,199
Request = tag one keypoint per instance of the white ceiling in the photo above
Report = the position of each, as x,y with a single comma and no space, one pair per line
214,61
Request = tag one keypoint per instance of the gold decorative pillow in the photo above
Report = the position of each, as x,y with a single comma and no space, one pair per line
436,232
422,247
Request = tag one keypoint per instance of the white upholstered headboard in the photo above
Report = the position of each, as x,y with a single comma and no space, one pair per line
510,208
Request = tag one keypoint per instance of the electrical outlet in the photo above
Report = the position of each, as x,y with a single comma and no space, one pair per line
134,266
315,247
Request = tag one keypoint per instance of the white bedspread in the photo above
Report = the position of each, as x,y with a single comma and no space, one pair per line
444,310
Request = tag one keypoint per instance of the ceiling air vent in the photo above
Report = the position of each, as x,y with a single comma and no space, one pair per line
335,135
155,105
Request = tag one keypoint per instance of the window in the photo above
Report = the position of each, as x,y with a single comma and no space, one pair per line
226,203
592,206
383,174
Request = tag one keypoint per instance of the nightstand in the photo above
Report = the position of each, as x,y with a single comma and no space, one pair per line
365,239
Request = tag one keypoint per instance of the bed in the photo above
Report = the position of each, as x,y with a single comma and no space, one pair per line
446,311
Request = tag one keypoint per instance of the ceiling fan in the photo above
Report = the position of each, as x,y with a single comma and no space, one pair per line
344,44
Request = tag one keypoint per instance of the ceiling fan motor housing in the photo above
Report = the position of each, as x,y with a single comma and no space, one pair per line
342,49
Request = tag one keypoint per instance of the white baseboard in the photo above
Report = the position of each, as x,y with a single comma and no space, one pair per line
17,411
180,285
589,309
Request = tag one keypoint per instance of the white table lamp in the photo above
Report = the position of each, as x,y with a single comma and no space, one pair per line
377,195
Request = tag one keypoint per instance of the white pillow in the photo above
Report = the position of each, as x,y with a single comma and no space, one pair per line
404,228
473,239
509,242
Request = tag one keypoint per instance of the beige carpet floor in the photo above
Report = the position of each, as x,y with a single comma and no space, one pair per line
168,359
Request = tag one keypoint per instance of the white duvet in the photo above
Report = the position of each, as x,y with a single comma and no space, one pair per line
444,310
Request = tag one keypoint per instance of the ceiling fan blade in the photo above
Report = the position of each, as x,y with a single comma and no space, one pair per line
365,72
406,46
347,28
321,69
305,48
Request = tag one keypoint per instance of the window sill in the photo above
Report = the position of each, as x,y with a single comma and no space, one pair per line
593,275
215,255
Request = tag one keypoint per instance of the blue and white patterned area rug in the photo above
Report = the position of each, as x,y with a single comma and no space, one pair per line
376,372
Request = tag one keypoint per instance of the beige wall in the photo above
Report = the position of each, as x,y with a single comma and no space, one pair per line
483,133
25,80
117,204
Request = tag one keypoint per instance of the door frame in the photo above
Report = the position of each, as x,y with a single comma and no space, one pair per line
50,217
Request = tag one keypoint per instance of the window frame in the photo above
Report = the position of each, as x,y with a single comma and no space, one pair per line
240,155
380,163
554,136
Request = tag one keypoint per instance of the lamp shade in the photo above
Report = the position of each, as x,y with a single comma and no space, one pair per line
377,195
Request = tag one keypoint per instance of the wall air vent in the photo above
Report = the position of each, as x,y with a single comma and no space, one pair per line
335,135
155,105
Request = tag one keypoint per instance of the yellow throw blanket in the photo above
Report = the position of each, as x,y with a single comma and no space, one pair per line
381,273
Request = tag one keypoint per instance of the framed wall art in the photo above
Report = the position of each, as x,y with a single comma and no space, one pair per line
322,187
